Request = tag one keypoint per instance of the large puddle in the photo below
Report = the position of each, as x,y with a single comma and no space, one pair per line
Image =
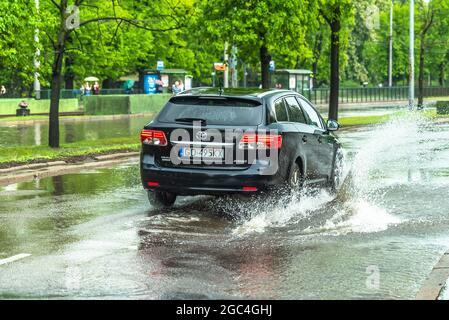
94,235
72,131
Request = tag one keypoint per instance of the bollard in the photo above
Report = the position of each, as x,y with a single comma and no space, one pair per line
23,110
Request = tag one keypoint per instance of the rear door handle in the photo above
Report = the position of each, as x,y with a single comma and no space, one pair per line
304,139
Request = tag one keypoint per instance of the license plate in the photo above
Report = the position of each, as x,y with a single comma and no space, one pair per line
209,153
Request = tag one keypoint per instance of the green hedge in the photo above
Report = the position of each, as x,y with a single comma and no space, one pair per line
442,107
124,104
148,103
8,106
106,105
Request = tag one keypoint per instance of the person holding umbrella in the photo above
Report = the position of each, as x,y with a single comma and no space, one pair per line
88,88
96,89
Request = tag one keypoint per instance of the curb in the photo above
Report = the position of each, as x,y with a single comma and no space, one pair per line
57,168
433,286
33,166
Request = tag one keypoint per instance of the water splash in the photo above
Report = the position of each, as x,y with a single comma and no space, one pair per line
358,206
295,207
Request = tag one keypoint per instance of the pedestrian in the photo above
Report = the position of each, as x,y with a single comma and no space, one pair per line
176,89
2,90
87,89
96,89
159,86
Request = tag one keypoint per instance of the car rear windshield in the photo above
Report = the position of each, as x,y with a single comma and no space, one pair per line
214,111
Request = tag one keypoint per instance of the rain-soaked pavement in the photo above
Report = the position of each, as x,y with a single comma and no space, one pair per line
94,235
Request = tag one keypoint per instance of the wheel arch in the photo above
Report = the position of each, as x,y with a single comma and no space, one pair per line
300,161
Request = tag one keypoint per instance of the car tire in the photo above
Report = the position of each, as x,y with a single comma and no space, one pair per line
337,172
295,178
161,198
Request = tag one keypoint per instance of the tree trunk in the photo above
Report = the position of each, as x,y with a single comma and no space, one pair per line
69,77
265,59
335,25
53,138
53,135
107,84
442,74
421,73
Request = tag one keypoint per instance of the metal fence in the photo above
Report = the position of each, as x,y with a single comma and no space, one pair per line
366,95
317,96
75,94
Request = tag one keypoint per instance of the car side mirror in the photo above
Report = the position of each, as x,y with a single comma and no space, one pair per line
333,125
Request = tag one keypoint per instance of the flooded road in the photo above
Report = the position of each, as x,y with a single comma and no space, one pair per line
94,235
71,131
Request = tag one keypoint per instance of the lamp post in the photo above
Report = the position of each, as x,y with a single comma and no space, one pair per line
390,48
412,56
36,62
226,71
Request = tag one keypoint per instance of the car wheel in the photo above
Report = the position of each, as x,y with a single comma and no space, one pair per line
295,178
161,198
337,172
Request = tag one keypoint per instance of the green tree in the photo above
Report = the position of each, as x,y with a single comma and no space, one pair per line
260,29
432,20
337,13
17,49
59,20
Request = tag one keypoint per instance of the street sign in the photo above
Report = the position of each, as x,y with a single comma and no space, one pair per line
219,66
160,65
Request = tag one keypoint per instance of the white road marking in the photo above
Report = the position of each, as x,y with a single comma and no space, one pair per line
14,258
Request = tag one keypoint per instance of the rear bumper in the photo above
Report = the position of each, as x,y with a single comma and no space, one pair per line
193,181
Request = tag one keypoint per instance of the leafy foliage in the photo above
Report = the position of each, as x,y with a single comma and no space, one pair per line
190,34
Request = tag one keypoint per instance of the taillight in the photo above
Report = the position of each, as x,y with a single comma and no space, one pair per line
153,184
153,138
260,141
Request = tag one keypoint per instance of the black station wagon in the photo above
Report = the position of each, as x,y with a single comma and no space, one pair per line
211,142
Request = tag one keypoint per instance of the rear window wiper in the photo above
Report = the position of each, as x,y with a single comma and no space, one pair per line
203,121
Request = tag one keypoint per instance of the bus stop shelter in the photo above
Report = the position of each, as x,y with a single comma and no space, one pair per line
299,80
168,78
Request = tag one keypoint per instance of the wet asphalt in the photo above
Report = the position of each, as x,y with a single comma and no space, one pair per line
94,235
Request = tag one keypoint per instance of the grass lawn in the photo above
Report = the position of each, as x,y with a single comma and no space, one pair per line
365,120
432,114
24,154
369,120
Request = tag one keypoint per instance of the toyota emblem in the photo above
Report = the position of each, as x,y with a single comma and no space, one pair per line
201,135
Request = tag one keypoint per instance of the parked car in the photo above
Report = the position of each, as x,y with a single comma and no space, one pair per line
210,142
